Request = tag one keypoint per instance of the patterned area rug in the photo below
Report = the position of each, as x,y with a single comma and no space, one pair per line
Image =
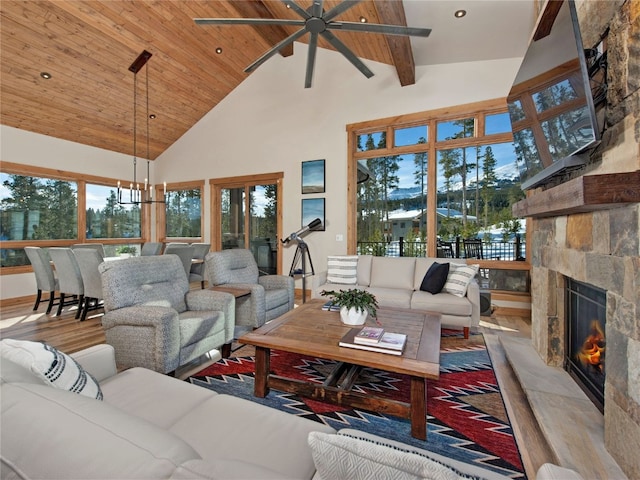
466,417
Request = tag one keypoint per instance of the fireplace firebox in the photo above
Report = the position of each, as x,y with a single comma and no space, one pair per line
585,340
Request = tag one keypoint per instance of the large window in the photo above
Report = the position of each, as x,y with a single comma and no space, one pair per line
437,178
45,207
184,213
108,219
37,208
180,218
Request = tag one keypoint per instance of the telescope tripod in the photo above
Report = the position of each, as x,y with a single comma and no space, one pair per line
302,254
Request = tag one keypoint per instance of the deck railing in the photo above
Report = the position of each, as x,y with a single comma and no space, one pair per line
492,250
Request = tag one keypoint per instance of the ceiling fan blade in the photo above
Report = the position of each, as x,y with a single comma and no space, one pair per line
297,8
311,59
274,50
316,8
380,28
248,21
344,50
340,8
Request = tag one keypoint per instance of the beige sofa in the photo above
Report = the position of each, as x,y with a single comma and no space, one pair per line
395,281
149,425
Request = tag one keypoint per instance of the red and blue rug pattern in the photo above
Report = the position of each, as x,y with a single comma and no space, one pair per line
466,417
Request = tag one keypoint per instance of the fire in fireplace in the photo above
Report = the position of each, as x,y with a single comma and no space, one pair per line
593,349
586,339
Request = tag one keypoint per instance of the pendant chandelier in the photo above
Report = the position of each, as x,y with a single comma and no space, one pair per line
140,195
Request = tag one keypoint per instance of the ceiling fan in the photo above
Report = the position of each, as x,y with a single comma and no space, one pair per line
316,21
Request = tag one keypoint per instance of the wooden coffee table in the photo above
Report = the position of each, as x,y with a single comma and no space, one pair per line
309,330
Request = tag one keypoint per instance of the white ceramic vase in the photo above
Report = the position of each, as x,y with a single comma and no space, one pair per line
352,316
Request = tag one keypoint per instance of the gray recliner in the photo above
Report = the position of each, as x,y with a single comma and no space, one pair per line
271,295
153,320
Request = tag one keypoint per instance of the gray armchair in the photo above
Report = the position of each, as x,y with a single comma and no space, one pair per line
153,320
271,295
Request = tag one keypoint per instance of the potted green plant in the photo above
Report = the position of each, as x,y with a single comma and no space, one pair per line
355,304
126,251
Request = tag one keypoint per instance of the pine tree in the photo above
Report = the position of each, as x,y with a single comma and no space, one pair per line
420,175
488,181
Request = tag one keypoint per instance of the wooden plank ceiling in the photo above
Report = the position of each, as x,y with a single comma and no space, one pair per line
87,47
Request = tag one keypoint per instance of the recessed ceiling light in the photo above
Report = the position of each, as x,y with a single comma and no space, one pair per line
152,116
45,75
460,13
219,50
363,20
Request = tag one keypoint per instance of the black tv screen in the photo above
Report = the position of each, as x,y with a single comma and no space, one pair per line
551,104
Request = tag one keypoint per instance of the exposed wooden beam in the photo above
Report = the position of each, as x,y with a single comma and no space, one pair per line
271,34
392,13
548,16
583,194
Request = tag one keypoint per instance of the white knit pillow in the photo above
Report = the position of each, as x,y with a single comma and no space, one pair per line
342,269
459,278
51,366
339,456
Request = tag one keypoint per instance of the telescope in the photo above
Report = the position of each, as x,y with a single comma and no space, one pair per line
302,254
295,235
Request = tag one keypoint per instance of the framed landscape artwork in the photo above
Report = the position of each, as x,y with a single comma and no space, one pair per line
313,208
313,176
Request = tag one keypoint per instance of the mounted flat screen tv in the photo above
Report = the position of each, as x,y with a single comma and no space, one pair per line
551,103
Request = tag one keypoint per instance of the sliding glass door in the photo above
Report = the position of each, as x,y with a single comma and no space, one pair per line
246,213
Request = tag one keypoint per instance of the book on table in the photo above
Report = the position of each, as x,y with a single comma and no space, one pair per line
369,335
330,307
391,343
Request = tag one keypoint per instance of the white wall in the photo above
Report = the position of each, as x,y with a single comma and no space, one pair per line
20,146
271,123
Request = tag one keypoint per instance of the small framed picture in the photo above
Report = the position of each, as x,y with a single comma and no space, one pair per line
313,208
313,176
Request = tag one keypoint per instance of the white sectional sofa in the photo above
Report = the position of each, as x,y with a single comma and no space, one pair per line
149,426
395,281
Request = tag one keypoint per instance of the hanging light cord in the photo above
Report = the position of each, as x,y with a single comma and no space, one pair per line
135,123
148,156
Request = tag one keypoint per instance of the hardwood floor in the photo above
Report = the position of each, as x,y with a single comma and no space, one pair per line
70,335
63,332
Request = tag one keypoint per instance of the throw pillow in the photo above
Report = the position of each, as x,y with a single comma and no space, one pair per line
459,278
342,269
51,366
435,278
340,456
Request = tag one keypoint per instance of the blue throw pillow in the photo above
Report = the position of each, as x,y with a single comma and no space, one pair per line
435,278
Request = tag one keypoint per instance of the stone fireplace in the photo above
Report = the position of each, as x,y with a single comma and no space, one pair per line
599,244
